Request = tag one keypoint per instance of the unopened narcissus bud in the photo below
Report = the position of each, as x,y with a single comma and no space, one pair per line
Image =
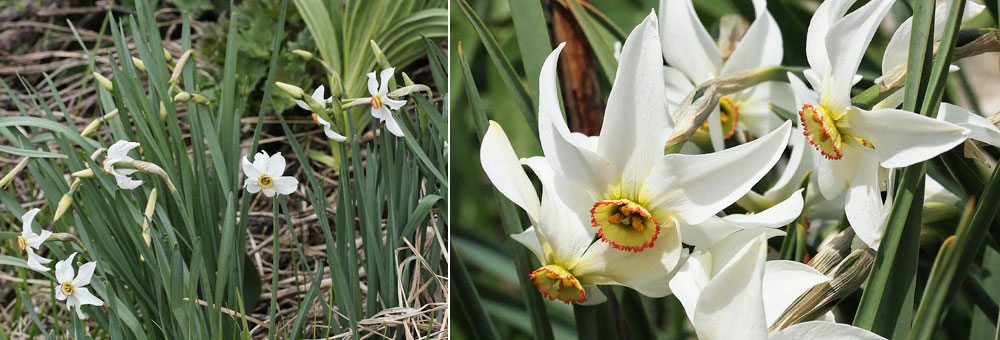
379,56
13,172
182,97
85,173
180,66
303,53
200,99
96,124
139,65
292,90
66,201
104,81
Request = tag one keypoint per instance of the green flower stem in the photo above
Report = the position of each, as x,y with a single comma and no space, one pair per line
271,331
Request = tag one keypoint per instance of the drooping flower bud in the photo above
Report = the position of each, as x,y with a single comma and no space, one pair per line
104,81
306,55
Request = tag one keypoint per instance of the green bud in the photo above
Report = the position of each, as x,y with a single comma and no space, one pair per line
379,56
200,99
13,172
104,81
304,54
180,66
292,90
182,97
141,66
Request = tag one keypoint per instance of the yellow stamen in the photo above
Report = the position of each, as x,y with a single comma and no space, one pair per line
265,181
22,243
555,282
67,288
376,102
624,224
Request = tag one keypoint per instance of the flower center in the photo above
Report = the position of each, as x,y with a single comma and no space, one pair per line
265,181
729,115
67,288
104,164
821,129
315,119
22,243
624,224
555,282
376,102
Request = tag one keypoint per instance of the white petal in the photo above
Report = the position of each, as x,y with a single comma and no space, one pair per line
760,46
564,234
26,221
799,163
846,44
897,49
286,184
251,185
822,20
328,131
677,86
392,125
698,186
318,94
691,279
393,103
126,182
979,128
276,166
249,170
37,262
372,84
776,216
686,43
602,264
864,206
260,161
503,169
121,148
84,275
64,269
303,105
803,95
84,297
571,195
785,281
755,112
891,102
821,330
385,76
730,306
577,163
834,176
594,296
635,128
903,138
269,192
529,239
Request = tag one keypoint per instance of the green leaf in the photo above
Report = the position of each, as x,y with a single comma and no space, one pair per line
31,153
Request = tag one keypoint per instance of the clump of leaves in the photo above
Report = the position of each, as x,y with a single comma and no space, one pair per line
255,19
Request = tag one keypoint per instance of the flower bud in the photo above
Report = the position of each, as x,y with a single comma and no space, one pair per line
379,56
182,97
200,99
336,89
303,54
104,81
96,123
292,90
152,168
13,172
150,209
64,204
163,111
85,173
166,55
139,65
180,66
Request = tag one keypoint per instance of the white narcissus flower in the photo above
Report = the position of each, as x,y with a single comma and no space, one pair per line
633,192
730,292
898,49
572,263
28,241
118,152
856,143
73,289
382,105
265,175
318,96
695,58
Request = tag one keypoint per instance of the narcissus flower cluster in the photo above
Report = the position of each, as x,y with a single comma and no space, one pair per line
630,207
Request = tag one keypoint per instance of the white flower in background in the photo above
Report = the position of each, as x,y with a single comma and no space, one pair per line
265,175
118,152
715,229
695,58
572,263
73,289
730,292
382,105
898,48
856,143
28,241
318,96
634,193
